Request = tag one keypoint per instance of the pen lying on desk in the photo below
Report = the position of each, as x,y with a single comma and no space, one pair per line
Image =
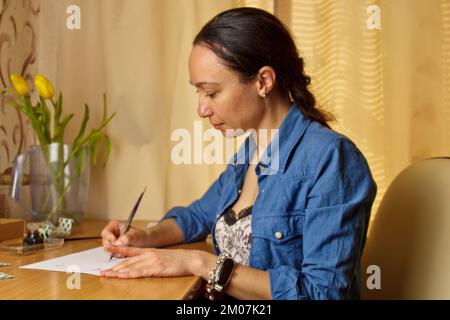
130,218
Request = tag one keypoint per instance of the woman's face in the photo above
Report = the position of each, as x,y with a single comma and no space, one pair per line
227,102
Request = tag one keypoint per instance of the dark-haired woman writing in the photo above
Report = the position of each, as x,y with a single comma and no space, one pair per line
286,224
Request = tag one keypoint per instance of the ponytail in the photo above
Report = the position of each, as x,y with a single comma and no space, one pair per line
304,99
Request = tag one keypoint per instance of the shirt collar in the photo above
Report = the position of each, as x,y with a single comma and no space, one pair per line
275,157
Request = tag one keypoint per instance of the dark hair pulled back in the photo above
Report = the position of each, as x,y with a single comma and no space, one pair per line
247,39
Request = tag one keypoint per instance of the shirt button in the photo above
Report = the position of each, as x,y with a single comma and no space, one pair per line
278,235
262,190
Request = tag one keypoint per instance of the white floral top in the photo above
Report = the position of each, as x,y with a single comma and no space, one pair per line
234,234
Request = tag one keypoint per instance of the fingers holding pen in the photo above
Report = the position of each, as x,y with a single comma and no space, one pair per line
111,232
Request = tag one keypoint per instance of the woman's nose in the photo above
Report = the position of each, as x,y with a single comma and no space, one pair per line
204,110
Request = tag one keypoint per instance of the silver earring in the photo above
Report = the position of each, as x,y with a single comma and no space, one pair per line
263,95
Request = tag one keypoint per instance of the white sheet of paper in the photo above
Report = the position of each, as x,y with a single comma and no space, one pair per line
89,262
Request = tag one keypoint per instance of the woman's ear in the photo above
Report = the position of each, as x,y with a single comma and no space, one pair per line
266,79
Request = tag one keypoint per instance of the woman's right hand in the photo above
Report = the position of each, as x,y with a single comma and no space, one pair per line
111,235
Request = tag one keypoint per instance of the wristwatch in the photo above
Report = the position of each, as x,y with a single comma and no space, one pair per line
224,272
220,276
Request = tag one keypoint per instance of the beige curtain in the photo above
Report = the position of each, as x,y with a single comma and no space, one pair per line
388,87
136,51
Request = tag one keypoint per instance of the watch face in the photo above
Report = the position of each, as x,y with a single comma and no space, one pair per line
225,272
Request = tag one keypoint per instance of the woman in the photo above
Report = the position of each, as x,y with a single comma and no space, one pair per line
296,232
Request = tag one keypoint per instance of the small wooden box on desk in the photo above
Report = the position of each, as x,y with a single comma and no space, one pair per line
11,229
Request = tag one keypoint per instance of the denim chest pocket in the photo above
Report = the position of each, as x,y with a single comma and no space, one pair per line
279,228
277,240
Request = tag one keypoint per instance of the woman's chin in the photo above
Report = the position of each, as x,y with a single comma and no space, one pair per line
231,133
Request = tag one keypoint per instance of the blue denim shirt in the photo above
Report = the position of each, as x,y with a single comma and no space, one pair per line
310,219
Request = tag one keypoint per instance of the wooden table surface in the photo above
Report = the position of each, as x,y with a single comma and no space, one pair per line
39,284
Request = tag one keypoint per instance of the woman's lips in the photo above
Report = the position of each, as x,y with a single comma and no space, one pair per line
218,126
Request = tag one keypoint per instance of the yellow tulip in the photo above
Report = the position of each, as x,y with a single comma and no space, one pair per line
19,84
44,87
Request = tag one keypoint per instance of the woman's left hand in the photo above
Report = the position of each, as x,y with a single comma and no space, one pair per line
150,262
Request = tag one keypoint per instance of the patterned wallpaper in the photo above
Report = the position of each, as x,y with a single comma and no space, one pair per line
18,30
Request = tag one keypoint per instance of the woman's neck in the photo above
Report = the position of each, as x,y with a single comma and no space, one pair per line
276,110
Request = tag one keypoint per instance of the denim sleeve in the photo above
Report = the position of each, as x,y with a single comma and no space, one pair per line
336,218
197,219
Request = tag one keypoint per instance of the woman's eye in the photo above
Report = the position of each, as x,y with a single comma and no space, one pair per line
208,95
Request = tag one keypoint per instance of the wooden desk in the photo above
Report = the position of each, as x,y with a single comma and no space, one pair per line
38,284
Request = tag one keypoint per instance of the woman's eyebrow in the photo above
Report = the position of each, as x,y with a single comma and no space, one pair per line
203,83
